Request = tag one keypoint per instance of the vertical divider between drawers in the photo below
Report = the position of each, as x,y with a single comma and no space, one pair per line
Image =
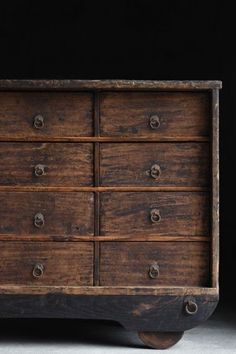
96,184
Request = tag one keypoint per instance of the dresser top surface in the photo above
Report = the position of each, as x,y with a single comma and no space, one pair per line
108,85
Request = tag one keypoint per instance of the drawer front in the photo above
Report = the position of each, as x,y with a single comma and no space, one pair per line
46,164
155,164
46,213
155,213
154,263
32,115
46,263
155,114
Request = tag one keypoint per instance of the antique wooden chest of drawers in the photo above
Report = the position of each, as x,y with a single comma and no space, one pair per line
109,203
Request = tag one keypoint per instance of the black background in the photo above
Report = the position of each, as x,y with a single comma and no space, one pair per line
135,39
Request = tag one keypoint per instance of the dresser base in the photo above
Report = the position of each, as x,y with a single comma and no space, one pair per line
162,313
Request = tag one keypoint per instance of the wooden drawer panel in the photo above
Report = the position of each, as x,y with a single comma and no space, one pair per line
155,164
64,114
46,164
155,213
133,263
61,263
46,213
155,114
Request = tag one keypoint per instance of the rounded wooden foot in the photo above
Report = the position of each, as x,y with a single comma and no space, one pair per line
160,340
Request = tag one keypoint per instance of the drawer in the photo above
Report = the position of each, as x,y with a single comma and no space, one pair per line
155,213
155,164
46,213
155,114
30,115
46,164
46,263
154,263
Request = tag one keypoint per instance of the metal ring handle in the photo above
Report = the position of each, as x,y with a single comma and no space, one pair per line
155,216
154,271
39,170
39,121
154,121
39,220
155,171
191,307
38,270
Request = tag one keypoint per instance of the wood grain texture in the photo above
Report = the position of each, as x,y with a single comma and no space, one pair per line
108,290
65,214
135,313
64,263
181,213
181,164
180,114
64,114
215,217
65,164
128,263
108,85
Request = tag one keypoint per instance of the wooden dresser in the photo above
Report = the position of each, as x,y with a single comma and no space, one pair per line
109,202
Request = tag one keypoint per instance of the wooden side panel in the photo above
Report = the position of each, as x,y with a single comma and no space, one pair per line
65,114
63,214
179,114
63,263
129,263
68,164
155,213
131,164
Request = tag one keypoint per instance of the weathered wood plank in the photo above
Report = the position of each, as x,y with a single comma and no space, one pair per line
61,263
152,115
155,213
130,263
107,85
150,164
139,313
62,214
56,164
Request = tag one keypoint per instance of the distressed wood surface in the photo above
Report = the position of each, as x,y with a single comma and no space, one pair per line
64,263
65,164
215,216
84,238
65,214
135,313
64,115
108,85
108,290
130,213
98,149
181,164
128,263
180,114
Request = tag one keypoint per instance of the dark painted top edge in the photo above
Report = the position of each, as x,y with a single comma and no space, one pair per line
107,85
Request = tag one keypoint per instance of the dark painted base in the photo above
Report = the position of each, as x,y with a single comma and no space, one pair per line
149,315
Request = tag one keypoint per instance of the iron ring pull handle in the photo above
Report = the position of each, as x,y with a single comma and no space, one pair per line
39,170
39,220
154,122
155,216
154,271
38,270
155,171
191,307
38,121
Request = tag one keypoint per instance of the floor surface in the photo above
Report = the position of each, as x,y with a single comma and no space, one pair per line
217,335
